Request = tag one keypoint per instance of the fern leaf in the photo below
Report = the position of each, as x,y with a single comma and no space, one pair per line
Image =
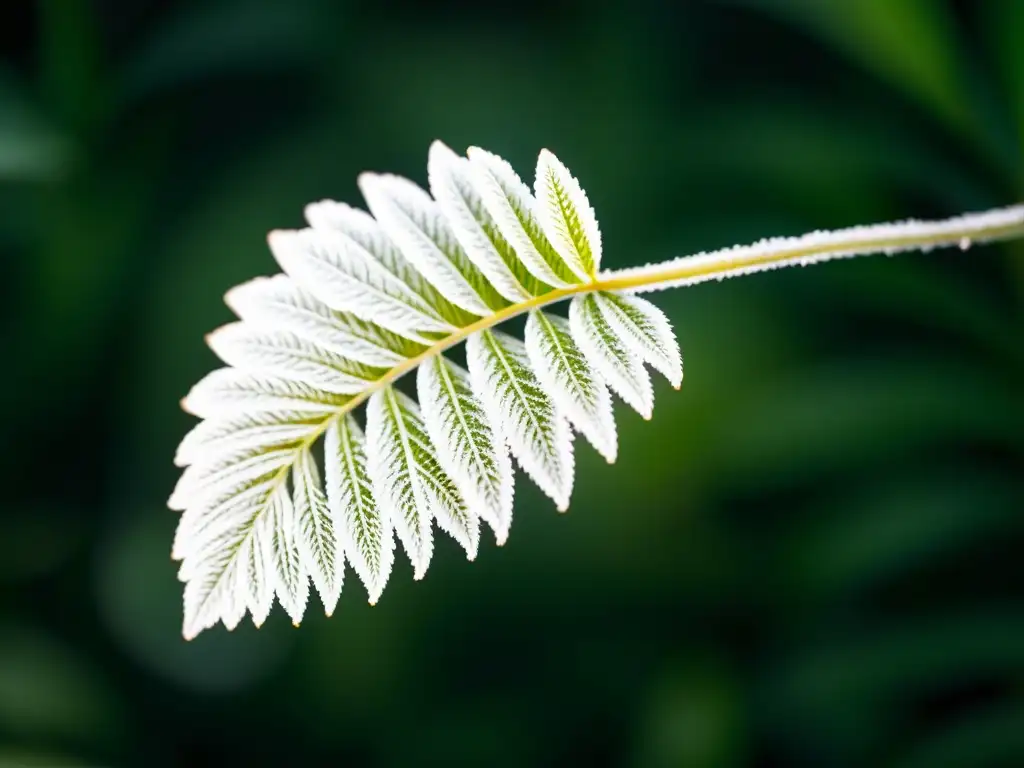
567,218
465,442
348,278
610,355
520,409
366,529
366,236
231,392
317,540
452,185
212,579
291,582
418,228
279,304
256,587
392,420
289,357
576,388
646,329
509,202
260,432
367,299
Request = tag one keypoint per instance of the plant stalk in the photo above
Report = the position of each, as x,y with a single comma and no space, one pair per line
960,231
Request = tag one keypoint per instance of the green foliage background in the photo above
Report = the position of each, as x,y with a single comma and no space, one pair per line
810,557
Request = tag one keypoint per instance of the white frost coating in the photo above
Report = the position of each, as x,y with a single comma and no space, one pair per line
256,585
567,217
364,528
317,538
283,354
278,304
620,367
452,185
347,278
214,439
202,483
577,389
366,234
467,447
201,527
412,219
291,583
817,247
646,329
355,314
211,573
229,392
397,485
518,408
513,208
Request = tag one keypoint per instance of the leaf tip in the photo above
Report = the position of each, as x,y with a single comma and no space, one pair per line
276,237
439,150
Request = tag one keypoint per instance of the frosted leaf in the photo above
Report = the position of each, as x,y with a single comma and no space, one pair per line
518,407
576,388
617,363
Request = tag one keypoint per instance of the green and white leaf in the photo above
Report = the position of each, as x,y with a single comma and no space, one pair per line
278,304
566,217
646,329
392,461
211,573
452,185
365,527
418,228
467,447
520,409
318,541
216,438
610,355
363,302
367,236
228,392
576,388
256,586
509,202
347,278
291,582
283,354
204,484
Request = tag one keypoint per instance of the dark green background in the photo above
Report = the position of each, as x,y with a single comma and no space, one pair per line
810,557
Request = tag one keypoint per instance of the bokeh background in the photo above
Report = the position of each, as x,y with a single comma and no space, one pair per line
810,557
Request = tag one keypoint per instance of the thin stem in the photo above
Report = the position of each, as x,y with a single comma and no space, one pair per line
961,231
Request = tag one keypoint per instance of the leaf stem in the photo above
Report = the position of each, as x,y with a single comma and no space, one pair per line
962,231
